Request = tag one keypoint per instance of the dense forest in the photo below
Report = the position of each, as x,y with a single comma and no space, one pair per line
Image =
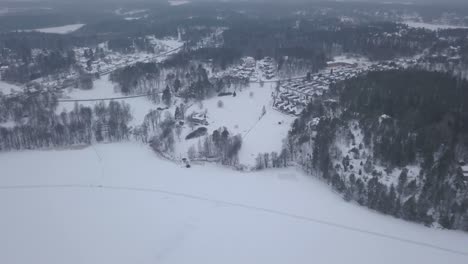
393,141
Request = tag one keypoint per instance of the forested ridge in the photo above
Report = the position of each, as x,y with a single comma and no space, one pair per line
394,141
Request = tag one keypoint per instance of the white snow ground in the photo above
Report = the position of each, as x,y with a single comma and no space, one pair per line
7,88
58,30
241,115
104,88
151,211
430,26
359,60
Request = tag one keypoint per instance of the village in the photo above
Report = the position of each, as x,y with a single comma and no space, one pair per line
293,95
94,63
251,70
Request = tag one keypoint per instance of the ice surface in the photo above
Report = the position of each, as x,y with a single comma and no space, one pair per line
119,203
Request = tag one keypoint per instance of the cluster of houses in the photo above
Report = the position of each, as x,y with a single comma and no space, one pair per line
464,170
101,65
252,70
388,65
268,67
288,103
295,94
245,70
113,60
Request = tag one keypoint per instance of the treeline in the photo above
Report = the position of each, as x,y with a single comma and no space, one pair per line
37,125
21,44
220,58
271,160
188,81
45,63
138,78
220,146
313,41
126,44
391,121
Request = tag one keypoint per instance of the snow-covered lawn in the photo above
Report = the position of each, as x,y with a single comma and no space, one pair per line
170,43
240,115
243,115
8,124
360,61
59,30
7,88
119,203
104,88
431,26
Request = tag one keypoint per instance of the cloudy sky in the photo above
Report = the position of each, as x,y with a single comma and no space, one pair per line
373,1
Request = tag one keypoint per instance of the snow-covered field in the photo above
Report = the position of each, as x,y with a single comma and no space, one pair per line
430,26
243,115
7,88
104,88
361,61
119,203
59,30
240,115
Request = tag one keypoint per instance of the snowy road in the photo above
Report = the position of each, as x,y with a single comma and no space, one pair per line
118,203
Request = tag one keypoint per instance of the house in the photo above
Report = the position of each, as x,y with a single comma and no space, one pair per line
464,169
199,119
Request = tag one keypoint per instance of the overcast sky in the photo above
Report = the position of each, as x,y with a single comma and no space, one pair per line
154,1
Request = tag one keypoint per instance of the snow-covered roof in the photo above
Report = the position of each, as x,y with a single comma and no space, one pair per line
464,168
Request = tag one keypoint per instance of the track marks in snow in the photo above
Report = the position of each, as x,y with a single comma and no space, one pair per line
181,234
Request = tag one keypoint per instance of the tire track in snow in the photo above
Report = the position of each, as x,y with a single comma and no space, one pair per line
240,205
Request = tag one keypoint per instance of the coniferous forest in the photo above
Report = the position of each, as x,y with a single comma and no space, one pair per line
391,120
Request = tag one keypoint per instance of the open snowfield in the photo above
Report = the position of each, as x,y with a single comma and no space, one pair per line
243,115
119,203
240,115
104,88
431,26
59,30
7,88
361,61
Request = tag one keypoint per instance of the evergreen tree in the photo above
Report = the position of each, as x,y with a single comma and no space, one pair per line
167,96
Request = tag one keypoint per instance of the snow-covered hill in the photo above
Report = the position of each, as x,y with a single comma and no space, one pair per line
242,114
119,203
